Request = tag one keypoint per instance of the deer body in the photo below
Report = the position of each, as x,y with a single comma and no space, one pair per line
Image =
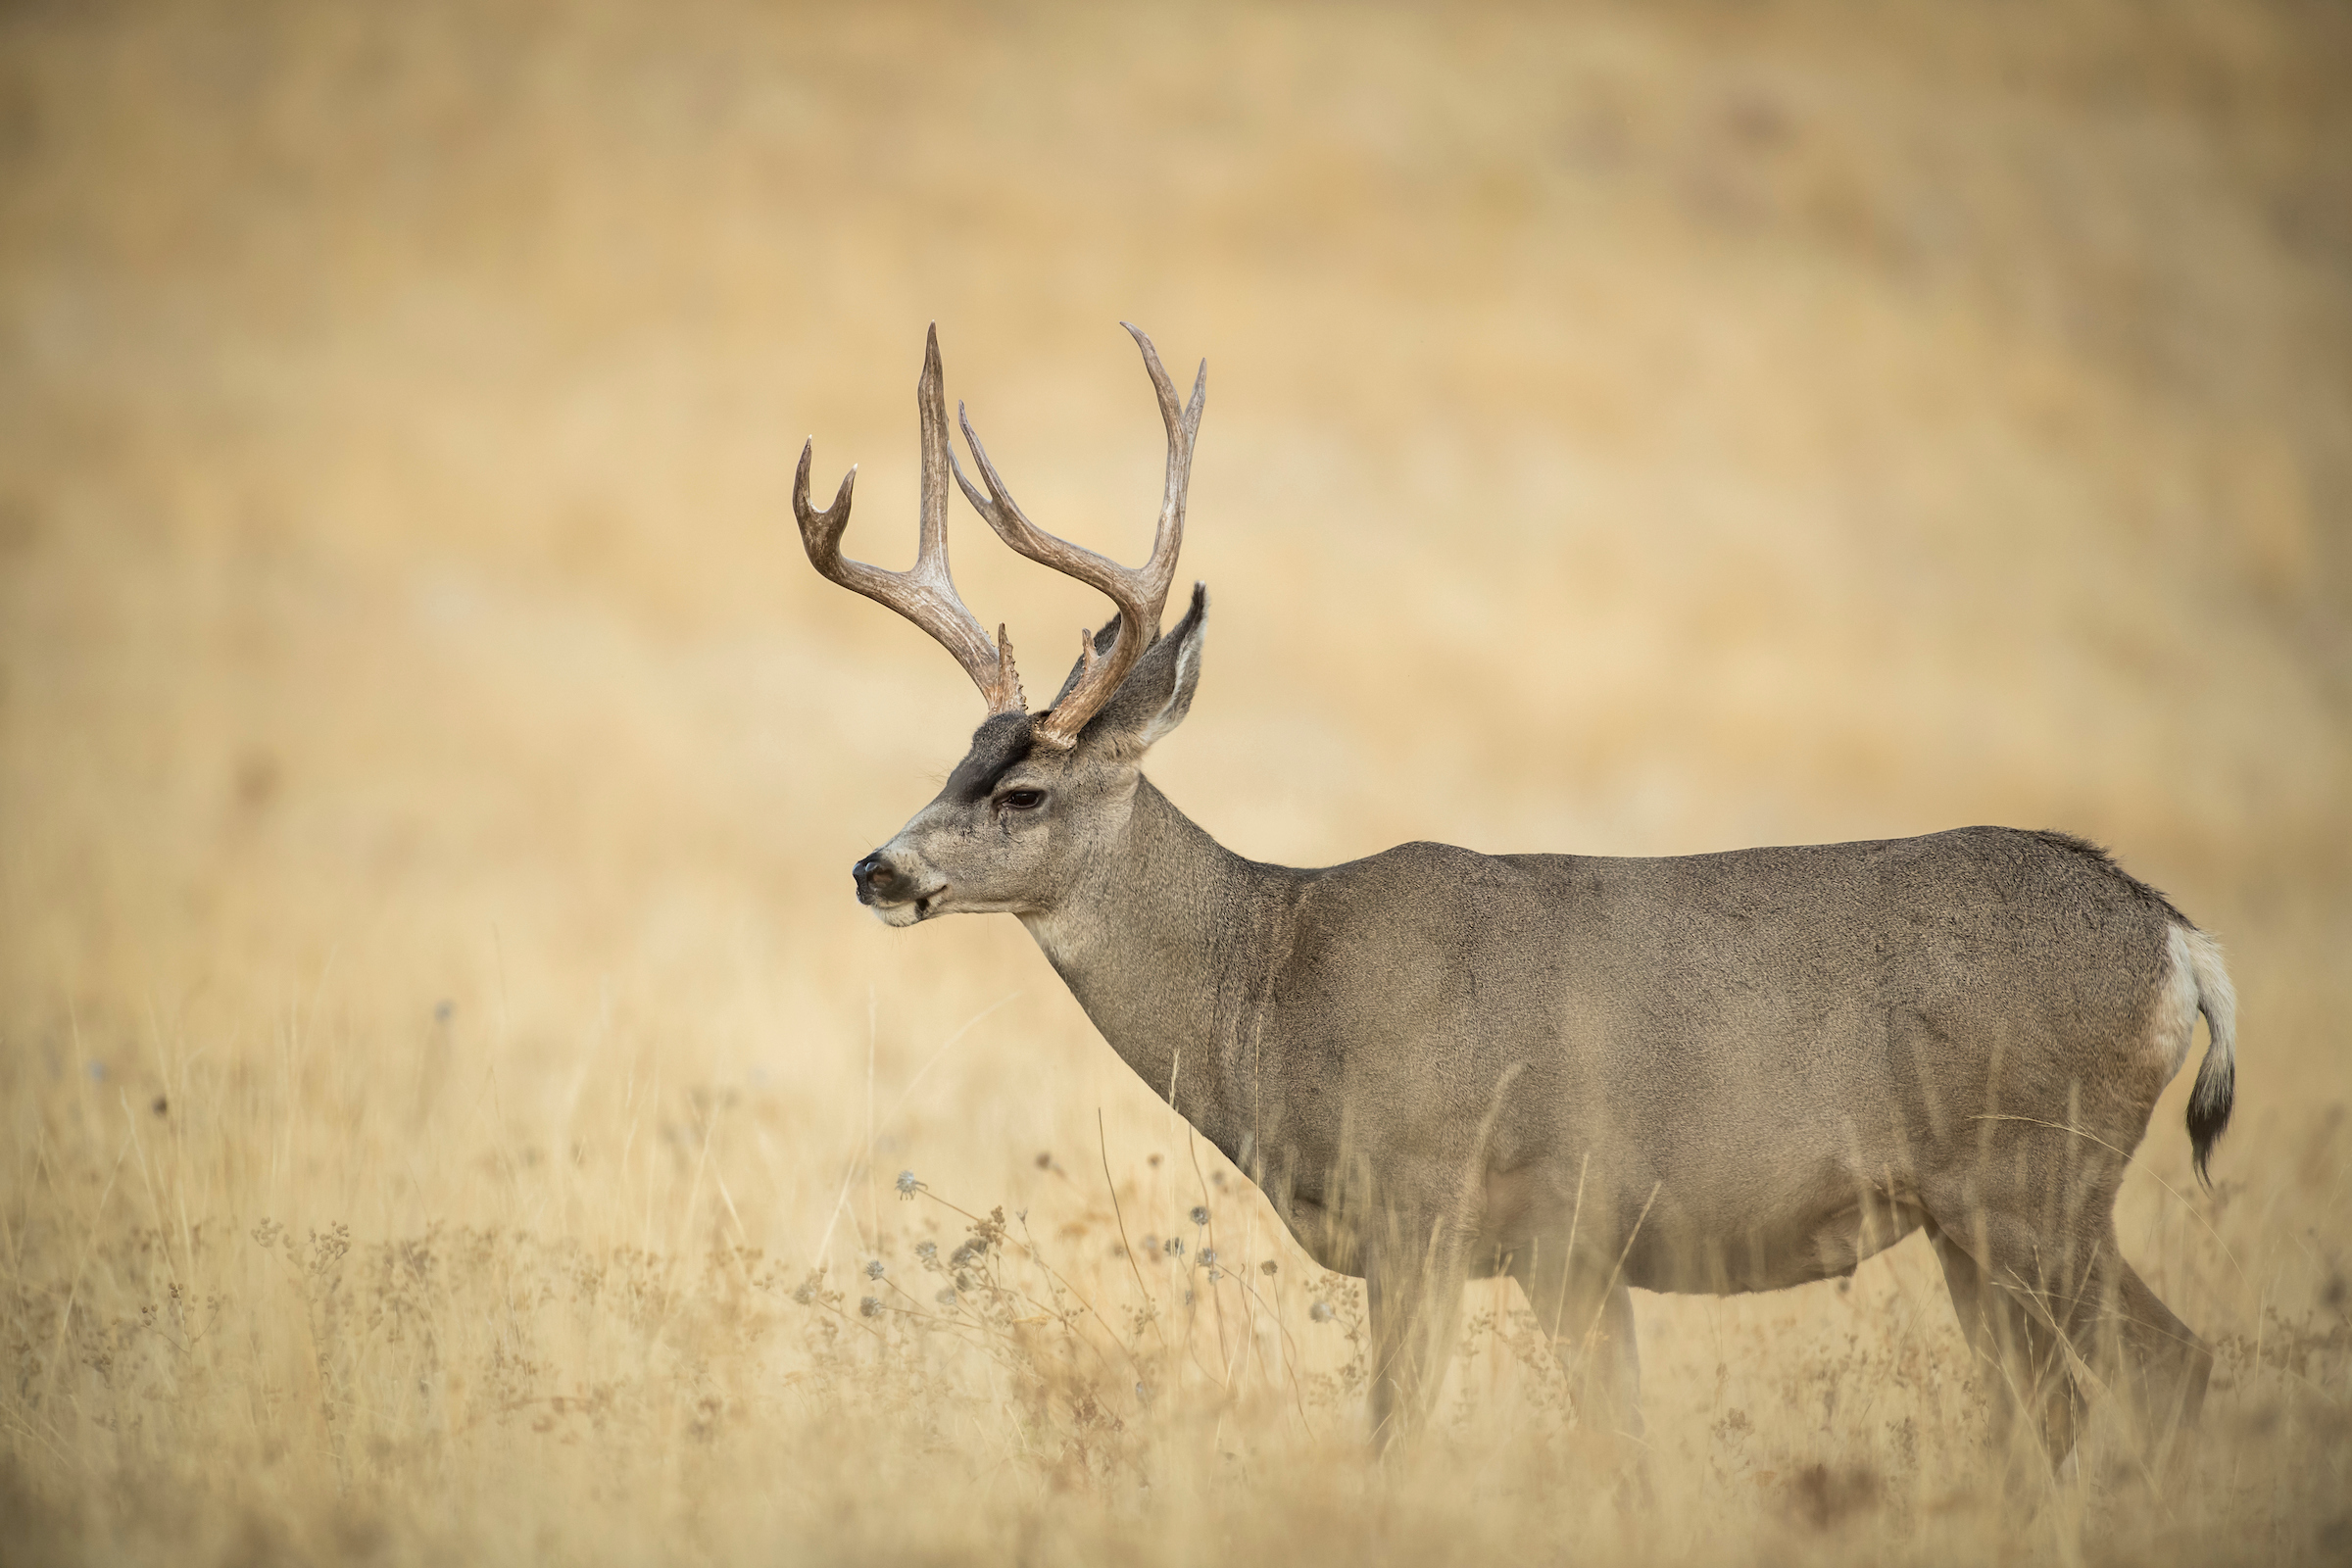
1714,1073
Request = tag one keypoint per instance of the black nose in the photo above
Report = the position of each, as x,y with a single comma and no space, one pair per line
873,876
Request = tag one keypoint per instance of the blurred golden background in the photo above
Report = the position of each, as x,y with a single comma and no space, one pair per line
431,771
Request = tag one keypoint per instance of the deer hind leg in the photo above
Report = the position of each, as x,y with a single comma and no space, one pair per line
1414,1287
2147,1355
2017,1325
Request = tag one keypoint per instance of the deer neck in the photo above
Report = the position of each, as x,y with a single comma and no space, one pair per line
1160,946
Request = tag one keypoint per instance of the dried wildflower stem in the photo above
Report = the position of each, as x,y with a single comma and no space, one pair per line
1290,1358
1050,1273
873,1203
155,1201
1127,1247
46,1440
1575,1219
858,1323
1192,1149
1252,1344
949,1325
945,1046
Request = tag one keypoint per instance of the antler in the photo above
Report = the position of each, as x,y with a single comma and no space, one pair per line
1141,593
924,594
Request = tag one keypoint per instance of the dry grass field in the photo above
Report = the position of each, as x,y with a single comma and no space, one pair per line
450,1104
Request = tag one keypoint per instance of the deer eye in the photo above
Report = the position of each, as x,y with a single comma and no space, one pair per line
1021,799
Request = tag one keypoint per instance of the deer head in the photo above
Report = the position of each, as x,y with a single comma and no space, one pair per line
1038,801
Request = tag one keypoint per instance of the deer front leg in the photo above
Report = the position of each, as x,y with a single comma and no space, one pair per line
1587,1313
1414,1287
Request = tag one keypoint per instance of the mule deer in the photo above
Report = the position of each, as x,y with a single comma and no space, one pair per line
1700,1073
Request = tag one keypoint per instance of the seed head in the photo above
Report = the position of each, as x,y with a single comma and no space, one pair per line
1199,1214
1320,1311
874,1269
1173,1246
926,1251
869,1306
1208,1257
1268,1267
947,1296
906,1185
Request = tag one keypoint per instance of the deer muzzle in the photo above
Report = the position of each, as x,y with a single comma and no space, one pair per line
893,891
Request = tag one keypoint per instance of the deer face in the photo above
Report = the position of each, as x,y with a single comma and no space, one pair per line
1021,823
1038,804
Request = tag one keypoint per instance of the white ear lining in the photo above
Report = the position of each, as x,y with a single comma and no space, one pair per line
1188,655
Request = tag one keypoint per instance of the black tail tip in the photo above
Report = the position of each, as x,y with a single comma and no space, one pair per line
2209,1118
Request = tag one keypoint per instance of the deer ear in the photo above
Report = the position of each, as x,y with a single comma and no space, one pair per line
1158,691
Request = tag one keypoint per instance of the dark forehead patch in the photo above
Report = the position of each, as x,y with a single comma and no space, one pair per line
998,742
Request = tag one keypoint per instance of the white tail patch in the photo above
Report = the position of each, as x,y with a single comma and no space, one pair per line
2195,981
2217,1080
2175,1026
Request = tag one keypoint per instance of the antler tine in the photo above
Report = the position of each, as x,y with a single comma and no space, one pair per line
1140,592
1182,428
925,593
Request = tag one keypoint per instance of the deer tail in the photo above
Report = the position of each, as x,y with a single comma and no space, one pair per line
2217,1080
